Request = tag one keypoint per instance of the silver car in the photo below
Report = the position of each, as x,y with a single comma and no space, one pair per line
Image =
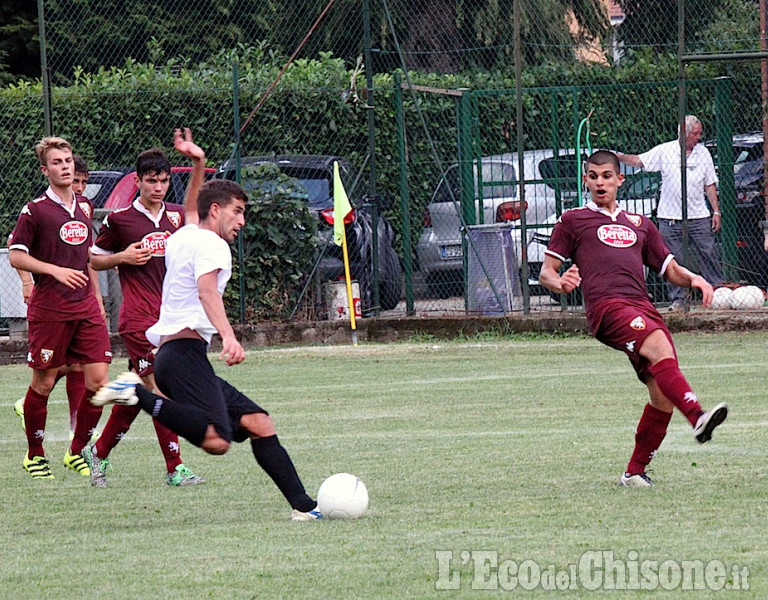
439,250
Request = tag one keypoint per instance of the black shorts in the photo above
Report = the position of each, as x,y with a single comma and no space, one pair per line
184,374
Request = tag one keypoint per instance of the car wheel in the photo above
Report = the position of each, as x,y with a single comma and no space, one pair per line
390,281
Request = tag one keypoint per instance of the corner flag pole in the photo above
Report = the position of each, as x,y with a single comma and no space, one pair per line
342,208
348,281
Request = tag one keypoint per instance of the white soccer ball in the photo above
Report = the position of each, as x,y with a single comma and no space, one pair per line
342,496
747,297
721,300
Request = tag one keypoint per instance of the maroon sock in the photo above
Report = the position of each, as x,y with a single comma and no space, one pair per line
169,444
75,391
676,388
88,417
35,416
651,431
118,424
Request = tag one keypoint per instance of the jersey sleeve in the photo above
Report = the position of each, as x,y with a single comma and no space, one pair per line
561,243
212,257
656,252
108,241
23,233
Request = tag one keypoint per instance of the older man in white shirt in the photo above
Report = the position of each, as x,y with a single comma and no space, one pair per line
701,184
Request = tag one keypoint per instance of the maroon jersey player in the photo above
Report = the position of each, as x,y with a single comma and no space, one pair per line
133,240
75,380
609,249
65,314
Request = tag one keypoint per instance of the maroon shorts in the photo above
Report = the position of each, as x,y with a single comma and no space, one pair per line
140,352
56,343
624,324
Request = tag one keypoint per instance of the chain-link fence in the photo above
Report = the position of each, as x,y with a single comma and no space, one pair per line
410,98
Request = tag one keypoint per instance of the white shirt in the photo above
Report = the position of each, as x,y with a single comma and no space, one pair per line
190,253
700,172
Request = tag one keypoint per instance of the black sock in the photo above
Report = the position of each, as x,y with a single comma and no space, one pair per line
186,421
276,463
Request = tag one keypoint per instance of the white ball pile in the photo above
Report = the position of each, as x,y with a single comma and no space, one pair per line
746,297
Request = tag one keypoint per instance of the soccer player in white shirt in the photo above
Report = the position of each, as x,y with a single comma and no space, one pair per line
205,409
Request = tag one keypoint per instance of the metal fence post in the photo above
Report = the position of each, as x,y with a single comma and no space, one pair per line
727,191
404,196
466,158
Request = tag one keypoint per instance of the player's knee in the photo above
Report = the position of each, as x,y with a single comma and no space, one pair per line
213,443
258,424
215,446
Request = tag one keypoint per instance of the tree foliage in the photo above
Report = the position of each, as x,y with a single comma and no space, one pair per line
19,41
654,23
446,36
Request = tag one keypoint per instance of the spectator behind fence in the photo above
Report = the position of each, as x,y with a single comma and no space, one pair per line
701,180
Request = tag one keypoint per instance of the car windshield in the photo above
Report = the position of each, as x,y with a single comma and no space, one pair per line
316,184
747,160
318,193
639,184
562,171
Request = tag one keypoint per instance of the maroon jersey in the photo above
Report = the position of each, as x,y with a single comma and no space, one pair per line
53,234
142,285
610,251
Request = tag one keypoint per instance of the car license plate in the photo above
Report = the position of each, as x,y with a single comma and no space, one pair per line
447,252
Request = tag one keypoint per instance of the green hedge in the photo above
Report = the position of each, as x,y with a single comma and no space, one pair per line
113,114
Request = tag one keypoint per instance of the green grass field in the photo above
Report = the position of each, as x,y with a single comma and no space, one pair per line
510,446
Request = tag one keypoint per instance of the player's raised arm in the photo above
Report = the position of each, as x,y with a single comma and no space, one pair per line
183,142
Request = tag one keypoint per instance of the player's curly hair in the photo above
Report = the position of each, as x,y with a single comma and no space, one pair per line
218,191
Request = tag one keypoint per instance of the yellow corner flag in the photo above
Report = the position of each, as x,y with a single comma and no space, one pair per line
341,206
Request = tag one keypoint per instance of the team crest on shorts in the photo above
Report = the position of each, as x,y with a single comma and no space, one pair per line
174,217
638,324
636,220
46,355
86,208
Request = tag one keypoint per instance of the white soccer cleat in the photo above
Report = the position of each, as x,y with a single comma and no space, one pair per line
312,515
636,480
708,421
120,391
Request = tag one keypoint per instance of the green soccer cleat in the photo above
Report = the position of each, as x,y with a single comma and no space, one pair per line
183,476
98,467
18,408
37,467
77,464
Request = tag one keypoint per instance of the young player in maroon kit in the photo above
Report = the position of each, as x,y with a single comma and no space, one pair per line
609,248
75,380
65,313
133,239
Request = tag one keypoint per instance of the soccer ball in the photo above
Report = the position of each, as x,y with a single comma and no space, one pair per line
747,297
342,496
721,298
